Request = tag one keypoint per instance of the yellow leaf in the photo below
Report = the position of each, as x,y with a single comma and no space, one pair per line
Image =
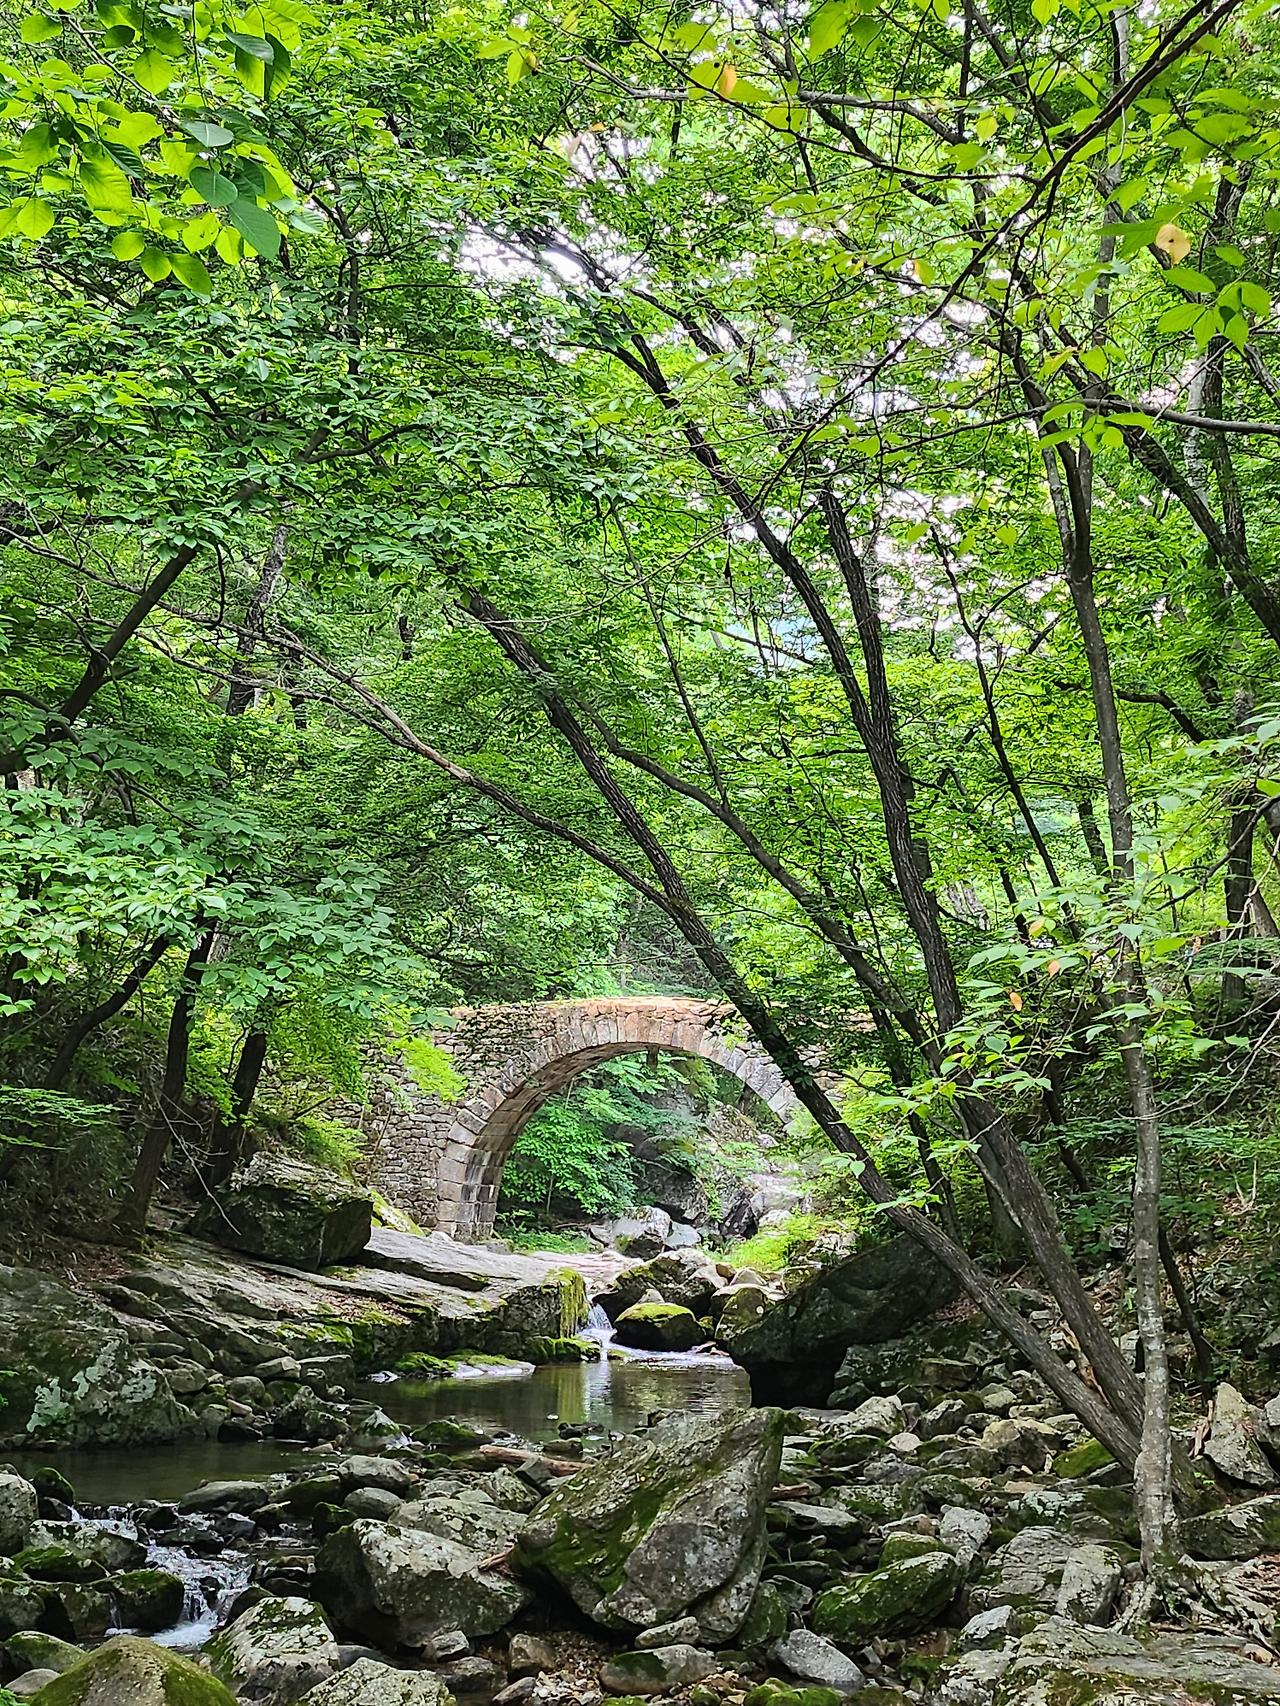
1015,1001
1038,926
1054,967
1174,241
726,80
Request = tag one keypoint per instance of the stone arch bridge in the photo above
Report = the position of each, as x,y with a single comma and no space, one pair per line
443,1161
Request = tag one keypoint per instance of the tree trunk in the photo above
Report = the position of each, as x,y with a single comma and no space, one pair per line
168,1105
89,1022
226,1147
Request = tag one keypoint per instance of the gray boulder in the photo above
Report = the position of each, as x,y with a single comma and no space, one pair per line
642,1234
132,1672
71,1375
368,1683
656,1670
1060,1661
284,1211
275,1652
1232,1446
31,1682
814,1659
672,1523
1236,1531
399,1587
19,1513
484,1527
794,1351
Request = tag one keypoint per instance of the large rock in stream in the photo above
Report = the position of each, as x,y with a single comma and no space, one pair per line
69,1374
794,1350
284,1211
400,1587
673,1523
130,1672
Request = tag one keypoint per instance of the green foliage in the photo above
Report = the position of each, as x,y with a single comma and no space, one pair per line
781,1247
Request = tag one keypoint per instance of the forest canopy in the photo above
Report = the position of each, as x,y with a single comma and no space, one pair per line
503,503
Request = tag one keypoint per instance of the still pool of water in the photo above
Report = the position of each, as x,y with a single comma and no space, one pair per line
614,1396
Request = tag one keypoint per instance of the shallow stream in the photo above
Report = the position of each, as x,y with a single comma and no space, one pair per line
617,1396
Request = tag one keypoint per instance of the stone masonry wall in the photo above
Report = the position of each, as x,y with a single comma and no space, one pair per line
443,1161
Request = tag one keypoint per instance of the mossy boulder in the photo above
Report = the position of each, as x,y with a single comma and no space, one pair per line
1061,1663
284,1211
33,1650
787,1694
149,1600
58,1564
133,1672
21,1605
673,1522
275,1651
69,1375
1081,1459
656,1670
1235,1531
659,1327
900,1599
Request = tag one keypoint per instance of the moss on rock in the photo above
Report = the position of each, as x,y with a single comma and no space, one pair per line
131,1672
899,1599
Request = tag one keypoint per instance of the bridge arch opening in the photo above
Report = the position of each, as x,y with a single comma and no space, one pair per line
487,1122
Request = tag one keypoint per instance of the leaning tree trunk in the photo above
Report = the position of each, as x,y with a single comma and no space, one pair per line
167,1110
226,1147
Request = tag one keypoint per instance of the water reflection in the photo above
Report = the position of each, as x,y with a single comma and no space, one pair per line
618,1396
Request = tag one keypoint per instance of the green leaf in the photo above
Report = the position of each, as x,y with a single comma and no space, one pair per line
306,219
229,247
36,219
827,27
106,189
155,264
191,270
153,71
37,28
1187,278
201,232
258,47
128,245
211,186
208,134
257,227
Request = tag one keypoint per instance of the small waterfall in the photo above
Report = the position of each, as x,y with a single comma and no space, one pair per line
600,1328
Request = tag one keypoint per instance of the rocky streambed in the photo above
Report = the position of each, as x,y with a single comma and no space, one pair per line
947,1539
932,1530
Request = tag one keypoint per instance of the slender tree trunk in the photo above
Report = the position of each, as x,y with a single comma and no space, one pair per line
1238,892
226,1147
168,1104
89,1022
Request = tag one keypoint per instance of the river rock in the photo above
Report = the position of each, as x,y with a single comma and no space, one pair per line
275,1651
31,1650
1232,1446
899,1599
1237,1531
485,1528
149,1600
381,1472
71,1375
1090,1582
672,1522
656,1670
282,1210
1063,1661
31,1682
1028,1571
19,1513
814,1659
132,1672
369,1683
794,1351
398,1587
659,1327
741,1307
